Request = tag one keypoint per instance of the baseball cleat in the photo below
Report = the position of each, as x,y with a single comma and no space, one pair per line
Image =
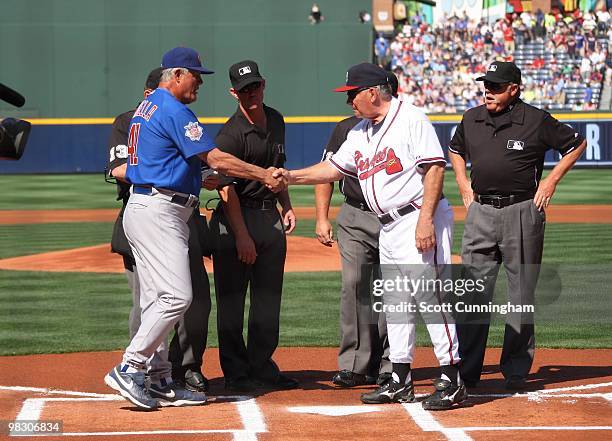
281,382
346,378
240,385
131,386
383,378
174,394
193,380
390,392
516,382
445,396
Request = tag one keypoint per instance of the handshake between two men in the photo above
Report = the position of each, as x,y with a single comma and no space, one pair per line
278,179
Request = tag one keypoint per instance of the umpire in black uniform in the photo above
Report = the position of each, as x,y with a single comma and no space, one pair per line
187,347
250,240
506,140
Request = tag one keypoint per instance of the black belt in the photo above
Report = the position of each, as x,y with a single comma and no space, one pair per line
357,204
259,204
403,211
186,200
499,201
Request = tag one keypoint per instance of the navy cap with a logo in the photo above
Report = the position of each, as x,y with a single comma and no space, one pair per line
184,57
244,73
364,75
502,72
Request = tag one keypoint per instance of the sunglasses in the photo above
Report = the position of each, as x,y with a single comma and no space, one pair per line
496,87
250,88
352,94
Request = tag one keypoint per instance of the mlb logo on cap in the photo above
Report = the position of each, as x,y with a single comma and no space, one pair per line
502,72
244,73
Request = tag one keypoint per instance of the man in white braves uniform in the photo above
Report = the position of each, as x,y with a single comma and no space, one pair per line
396,155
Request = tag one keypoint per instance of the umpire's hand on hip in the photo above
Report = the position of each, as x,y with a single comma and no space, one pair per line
545,192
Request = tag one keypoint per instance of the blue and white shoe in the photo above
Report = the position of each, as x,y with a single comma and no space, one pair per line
174,394
131,386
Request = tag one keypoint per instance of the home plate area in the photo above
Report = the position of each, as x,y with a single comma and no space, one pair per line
571,412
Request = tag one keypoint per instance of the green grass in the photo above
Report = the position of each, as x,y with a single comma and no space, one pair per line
89,191
564,243
65,312
69,312
567,243
577,187
22,240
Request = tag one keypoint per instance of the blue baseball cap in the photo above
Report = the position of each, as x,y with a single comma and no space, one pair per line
364,75
184,57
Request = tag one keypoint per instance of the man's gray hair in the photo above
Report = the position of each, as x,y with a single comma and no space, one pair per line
167,74
386,93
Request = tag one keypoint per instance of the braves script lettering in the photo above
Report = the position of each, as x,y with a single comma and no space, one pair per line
383,160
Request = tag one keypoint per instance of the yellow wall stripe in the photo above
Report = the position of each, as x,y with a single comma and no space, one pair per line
302,119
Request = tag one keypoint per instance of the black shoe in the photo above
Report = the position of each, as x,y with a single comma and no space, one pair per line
516,382
240,384
391,392
383,378
445,396
281,382
470,384
195,381
346,378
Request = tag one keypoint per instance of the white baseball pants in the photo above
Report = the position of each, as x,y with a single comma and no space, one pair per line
399,255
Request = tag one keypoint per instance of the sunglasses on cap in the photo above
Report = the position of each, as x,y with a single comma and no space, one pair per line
496,87
352,94
250,88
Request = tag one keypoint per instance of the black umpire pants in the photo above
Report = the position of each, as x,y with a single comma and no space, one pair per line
233,277
187,347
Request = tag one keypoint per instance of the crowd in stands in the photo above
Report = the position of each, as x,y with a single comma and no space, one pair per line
437,64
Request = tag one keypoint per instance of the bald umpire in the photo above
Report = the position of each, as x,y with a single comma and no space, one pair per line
506,140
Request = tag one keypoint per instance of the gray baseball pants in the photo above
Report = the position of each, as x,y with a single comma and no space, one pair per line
513,235
158,235
364,346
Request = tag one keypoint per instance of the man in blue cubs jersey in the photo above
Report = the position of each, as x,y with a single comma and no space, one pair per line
166,147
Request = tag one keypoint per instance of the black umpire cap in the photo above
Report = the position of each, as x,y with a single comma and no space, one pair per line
244,73
502,72
153,78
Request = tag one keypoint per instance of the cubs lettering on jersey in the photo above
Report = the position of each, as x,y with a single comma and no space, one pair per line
166,139
401,147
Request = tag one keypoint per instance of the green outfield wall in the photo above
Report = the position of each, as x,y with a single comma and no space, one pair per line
89,58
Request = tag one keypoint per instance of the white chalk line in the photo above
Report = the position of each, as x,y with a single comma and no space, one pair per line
507,428
54,391
248,409
426,421
254,422
580,387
